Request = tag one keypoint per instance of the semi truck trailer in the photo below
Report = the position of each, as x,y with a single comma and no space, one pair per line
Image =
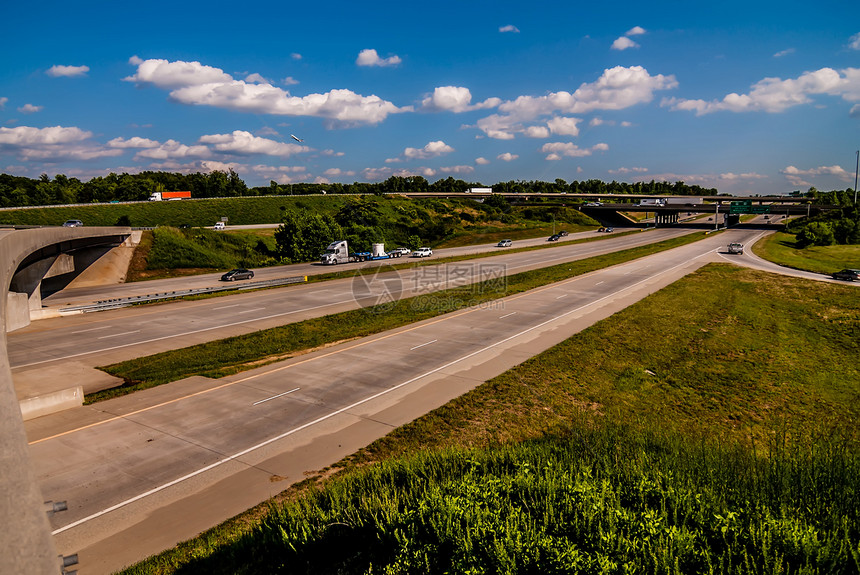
338,252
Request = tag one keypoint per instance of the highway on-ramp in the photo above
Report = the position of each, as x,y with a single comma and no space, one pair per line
141,473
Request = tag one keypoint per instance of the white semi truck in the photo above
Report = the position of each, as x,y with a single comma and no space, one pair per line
337,252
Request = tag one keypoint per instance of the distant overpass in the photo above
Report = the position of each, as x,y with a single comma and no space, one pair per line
617,198
32,259
730,207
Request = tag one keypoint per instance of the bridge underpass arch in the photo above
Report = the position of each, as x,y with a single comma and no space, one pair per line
27,256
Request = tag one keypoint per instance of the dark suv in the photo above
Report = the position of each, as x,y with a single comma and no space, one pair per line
237,274
847,275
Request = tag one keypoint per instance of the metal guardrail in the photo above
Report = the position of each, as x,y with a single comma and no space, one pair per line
115,303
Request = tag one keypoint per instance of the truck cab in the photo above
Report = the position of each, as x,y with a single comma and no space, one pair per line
336,253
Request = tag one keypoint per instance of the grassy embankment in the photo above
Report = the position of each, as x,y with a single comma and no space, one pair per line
709,428
228,356
196,212
780,248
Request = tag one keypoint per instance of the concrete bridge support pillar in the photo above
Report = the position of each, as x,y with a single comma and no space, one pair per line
26,257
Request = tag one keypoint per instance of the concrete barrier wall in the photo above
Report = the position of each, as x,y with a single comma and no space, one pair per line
51,403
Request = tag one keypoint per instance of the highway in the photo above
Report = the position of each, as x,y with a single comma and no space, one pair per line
45,353
143,472
74,296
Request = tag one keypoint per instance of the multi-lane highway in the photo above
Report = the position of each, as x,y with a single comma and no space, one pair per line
40,353
143,472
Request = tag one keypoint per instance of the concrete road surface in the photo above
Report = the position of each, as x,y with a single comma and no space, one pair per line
53,354
143,472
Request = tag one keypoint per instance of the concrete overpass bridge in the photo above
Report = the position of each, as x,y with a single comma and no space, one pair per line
33,261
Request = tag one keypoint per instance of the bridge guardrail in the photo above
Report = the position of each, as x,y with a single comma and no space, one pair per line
114,303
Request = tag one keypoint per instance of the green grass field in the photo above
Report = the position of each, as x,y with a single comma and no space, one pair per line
779,248
709,428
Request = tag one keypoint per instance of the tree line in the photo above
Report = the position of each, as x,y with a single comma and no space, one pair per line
19,191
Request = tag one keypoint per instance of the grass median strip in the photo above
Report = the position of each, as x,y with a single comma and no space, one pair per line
231,355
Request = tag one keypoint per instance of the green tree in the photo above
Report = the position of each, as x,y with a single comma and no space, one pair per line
304,235
815,234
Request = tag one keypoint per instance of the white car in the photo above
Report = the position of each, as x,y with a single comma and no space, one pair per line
504,244
422,253
397,252
219,226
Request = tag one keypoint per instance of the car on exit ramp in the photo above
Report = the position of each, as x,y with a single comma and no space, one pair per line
849,275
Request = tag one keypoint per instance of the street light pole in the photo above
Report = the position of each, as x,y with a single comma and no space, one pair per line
856,169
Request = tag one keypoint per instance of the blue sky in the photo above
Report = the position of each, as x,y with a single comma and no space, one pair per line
747,97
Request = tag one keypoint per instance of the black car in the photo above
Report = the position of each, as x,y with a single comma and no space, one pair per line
237,274
553,238
847,275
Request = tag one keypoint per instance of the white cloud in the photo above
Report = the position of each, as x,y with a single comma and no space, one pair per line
289,81
455,99
179,74
732,177
27,136
623,43
337,172
67,71
256,79
634,170
854,42
509,28
855,111
172,150
774,95
431,150
507,157
482,161
281,174
376,174
241,142
798,177
785,52
30,109
616,89
57,143
195,84
369,57
537,132
457,170
267,131
557,150
635,31
3,102
296,56
134,142
198,166
564,126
